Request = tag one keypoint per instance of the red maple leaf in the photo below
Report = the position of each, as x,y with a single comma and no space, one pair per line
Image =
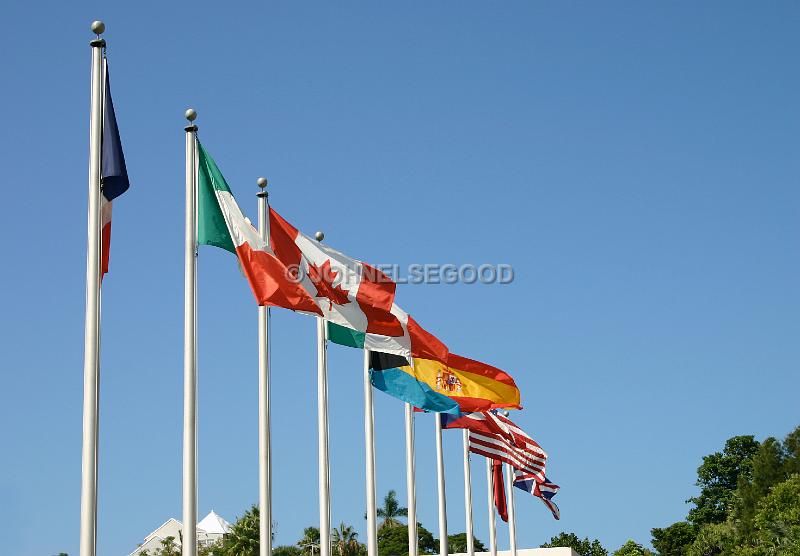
322,277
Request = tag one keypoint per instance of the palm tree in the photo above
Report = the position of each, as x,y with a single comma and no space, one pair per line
309,544
391,510
345,541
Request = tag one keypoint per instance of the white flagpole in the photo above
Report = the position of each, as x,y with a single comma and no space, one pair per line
443,547
468,495
189,540
492,520
369,444
411,483
512,521
91,342
264,437
322,423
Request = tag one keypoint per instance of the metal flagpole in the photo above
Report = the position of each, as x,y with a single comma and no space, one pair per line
443,548
264,438
411,483
492,519
322,420
369,444
189,540
91,342
468,495
512,522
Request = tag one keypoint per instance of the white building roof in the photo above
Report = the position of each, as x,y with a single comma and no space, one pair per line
214,524
209,529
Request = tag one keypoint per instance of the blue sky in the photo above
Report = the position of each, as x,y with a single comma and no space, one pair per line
636,163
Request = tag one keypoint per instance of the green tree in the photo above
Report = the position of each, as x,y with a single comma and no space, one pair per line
713,539
309,544
345,541
168,547
631,548
773,464
583,547
286,550
718,478
458,543
242,539
777,520
673,540
393,541
391,511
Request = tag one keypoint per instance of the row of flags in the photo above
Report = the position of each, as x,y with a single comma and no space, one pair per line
356,302
293,271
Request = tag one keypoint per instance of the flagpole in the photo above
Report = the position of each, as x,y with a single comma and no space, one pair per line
264,437
492,519
189,540
322,424
369,444
468,495
411,483
91,342
512,521
443,548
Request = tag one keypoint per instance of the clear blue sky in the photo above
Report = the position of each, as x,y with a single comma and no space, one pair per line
636,162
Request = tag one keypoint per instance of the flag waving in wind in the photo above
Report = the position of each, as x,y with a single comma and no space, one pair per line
501,440
348,292
113,173
220,222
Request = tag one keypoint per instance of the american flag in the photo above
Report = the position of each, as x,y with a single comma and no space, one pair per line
498,438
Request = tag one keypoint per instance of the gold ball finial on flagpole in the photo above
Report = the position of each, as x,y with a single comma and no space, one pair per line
191,114
319,236
98,27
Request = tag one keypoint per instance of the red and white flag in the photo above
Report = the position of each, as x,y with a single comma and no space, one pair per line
348,292
498,438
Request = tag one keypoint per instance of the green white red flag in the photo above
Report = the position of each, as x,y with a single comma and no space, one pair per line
220,222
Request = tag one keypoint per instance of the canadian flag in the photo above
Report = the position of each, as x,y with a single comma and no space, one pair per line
348,292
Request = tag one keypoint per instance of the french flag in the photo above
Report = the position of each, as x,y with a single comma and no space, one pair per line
114,175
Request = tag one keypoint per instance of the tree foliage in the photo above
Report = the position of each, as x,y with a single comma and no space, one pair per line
777,521
718,477
673,540
458,543
391,511
393,541
344,541
309,543
631,548
286,550
749,503
584,547
242,540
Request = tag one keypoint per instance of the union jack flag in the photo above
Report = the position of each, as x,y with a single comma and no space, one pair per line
544,490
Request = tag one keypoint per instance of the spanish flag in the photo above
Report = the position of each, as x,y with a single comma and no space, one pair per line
461,386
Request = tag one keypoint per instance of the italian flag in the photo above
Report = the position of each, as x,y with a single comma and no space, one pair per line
220,222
